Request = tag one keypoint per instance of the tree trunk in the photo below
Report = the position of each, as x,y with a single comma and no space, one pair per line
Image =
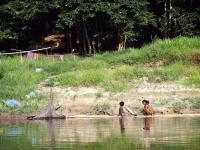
50,112
167,15
99,39
191,4
78,41
84,44
19,38
70,40
46,27
171,22
170,8
87,38
120,37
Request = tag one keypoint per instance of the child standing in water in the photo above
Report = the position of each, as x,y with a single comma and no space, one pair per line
121,110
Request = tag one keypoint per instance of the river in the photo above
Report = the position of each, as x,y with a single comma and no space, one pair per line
176,133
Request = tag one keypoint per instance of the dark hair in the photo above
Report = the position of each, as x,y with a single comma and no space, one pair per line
121,103
146,101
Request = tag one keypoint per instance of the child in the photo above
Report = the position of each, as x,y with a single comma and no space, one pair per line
121,111
148,110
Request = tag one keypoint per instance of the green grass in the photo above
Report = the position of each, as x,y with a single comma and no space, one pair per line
50,83
104,106
161,102
99,94
179,105
115,71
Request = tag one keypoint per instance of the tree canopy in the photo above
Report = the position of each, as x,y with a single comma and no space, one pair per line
107,22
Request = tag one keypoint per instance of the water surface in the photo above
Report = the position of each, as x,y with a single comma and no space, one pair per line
177,133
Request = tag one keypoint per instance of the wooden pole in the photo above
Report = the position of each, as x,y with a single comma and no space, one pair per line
94,49
47,52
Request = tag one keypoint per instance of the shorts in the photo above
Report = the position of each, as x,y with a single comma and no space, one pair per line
124,114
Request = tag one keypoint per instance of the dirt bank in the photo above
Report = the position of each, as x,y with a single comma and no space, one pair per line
165,98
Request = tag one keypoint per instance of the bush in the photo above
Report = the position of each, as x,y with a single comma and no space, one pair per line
179,105
104,106
99,94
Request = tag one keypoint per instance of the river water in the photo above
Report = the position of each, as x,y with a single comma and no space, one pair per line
176,133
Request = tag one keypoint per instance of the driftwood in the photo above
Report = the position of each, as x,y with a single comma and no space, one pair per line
50,112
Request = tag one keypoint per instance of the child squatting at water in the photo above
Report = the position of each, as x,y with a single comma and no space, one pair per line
148,110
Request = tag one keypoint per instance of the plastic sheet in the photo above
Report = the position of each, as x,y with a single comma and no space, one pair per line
32,94
13,103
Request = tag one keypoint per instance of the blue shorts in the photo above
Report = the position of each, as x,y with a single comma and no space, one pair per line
141,113
124,114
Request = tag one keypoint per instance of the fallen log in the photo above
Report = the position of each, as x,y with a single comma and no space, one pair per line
138,116
49,113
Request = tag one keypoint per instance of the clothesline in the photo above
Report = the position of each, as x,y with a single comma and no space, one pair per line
59,55
22,51
31,55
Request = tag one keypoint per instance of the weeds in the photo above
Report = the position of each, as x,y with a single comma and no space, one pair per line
104,106
74,97
99,94
50,83
179,105
136,107
162,102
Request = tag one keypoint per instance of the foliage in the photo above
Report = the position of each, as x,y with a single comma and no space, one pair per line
22,22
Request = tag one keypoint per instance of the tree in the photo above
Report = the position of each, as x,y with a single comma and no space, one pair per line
22,21
25,20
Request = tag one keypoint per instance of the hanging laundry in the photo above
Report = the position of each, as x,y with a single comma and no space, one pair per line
61,57
36,57
30,55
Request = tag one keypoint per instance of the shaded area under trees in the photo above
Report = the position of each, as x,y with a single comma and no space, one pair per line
106,22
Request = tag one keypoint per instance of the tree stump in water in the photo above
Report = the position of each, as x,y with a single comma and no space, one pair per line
50,112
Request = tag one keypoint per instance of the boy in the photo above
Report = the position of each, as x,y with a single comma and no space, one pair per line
121,111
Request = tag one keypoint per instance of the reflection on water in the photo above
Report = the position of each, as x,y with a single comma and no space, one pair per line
147,123
118,133
121,122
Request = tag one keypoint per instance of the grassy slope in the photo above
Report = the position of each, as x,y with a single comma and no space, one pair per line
114,71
